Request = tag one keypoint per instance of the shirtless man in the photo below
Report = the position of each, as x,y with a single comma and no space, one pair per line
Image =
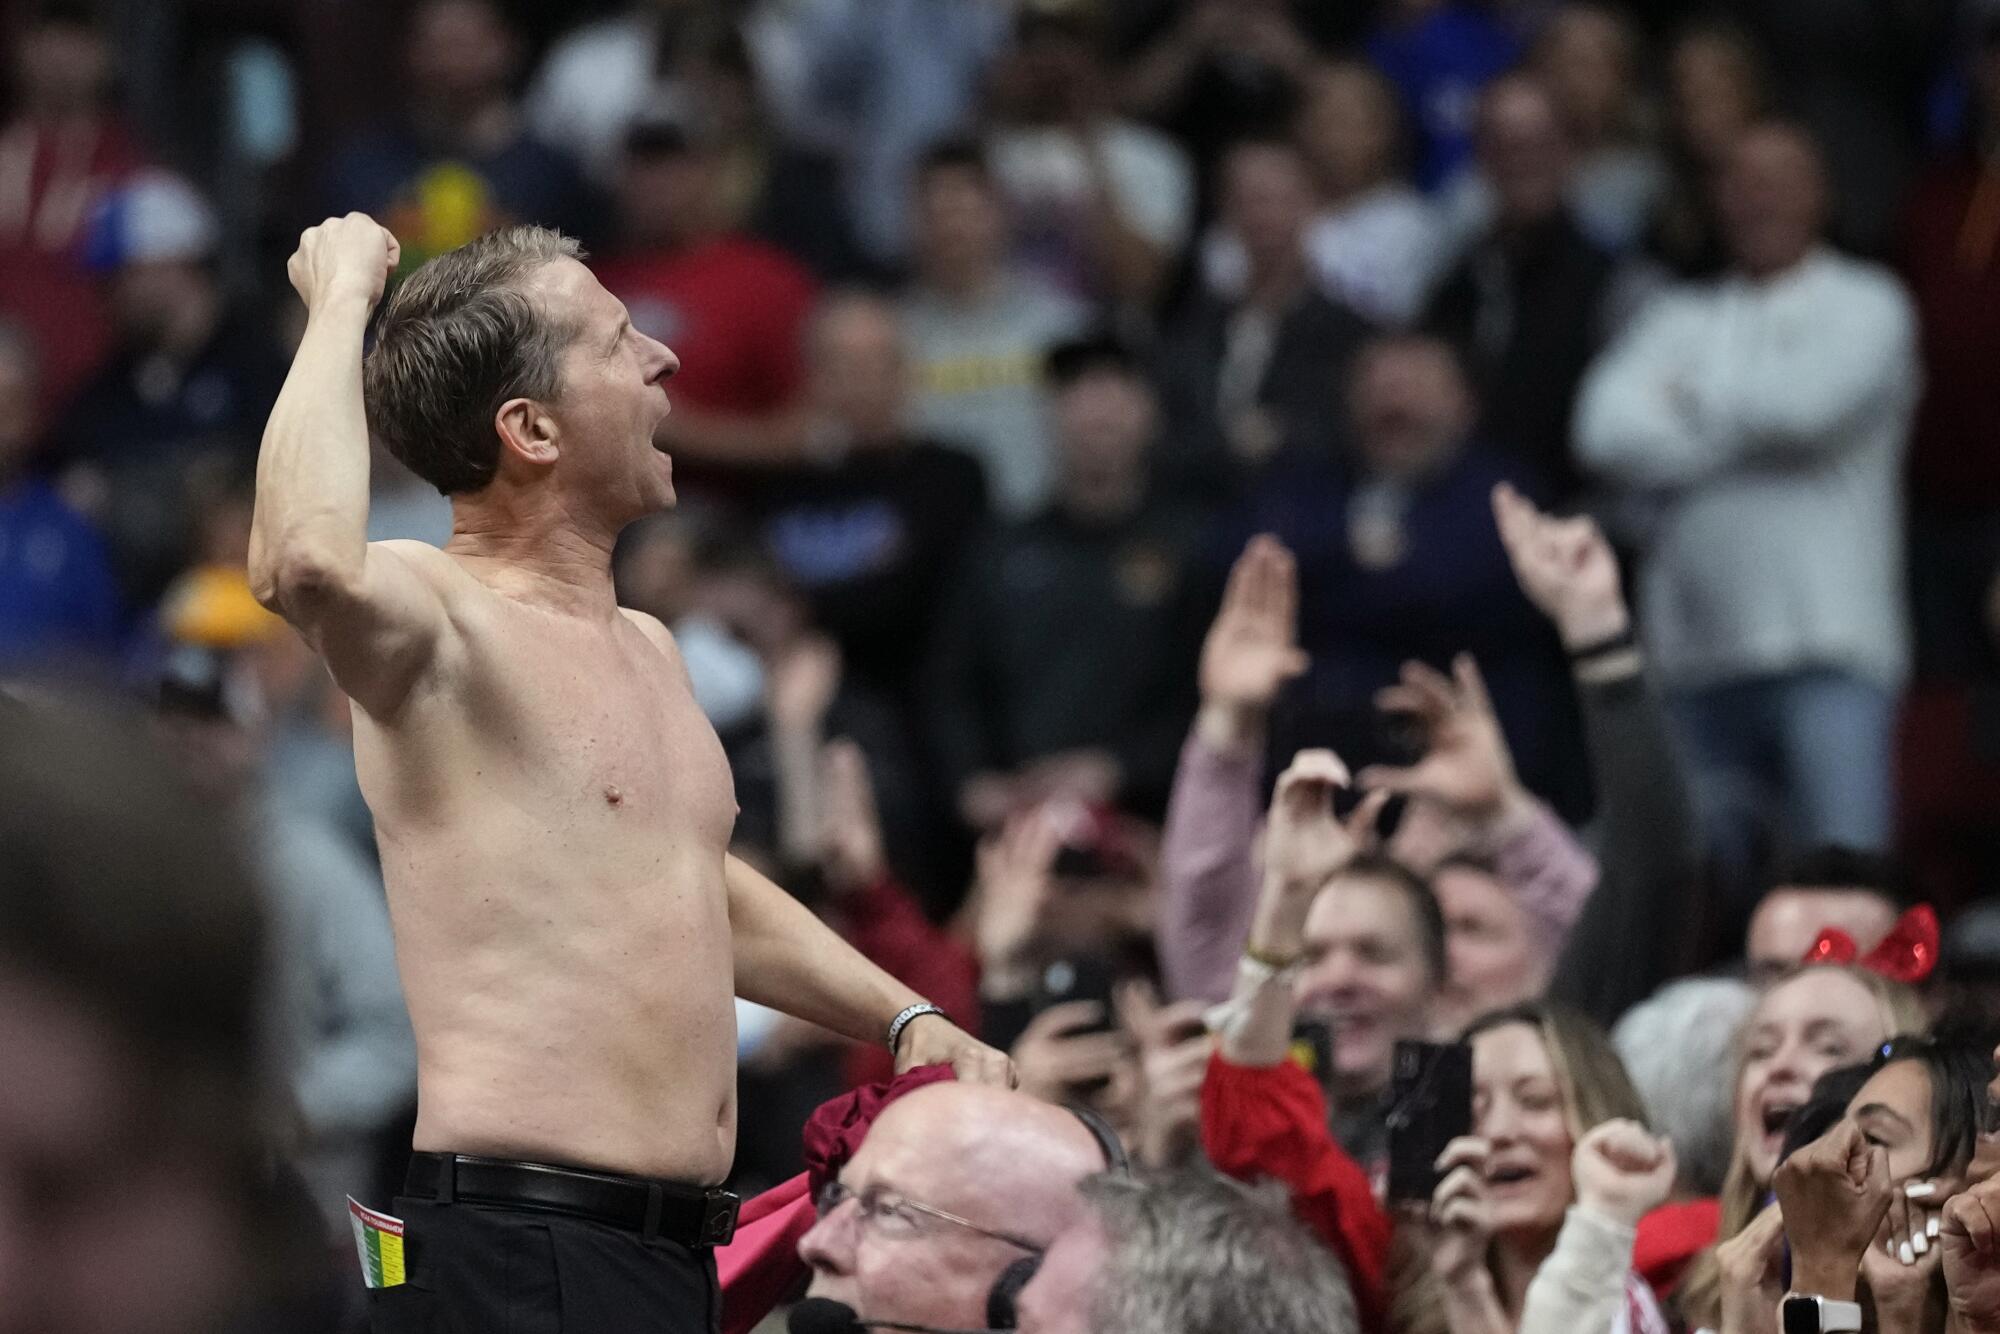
553,810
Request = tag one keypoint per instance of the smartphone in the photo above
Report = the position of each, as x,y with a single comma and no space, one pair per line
1430,1105
1085,978
1312,1047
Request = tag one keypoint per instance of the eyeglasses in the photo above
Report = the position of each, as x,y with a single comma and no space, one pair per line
898,1217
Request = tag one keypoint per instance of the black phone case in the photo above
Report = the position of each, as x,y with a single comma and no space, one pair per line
1430,1105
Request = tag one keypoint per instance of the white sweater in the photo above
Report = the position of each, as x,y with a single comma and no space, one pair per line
1770,420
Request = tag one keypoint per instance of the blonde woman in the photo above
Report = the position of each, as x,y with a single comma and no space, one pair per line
1814,1020
1534,1220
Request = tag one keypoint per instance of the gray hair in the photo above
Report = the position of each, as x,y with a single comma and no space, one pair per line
454,341
1678,1045
1196,1253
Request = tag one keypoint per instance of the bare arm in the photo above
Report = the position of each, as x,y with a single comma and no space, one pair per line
1305,846
367,610
791,961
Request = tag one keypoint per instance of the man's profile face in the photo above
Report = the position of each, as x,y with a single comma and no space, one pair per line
1790,918
918,1269
1058,1299
613,395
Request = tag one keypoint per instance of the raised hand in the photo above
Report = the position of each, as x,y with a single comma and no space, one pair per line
1174,1048
851,853
1752,1275
1466,768
1252,647
1012,900
1305,843
1461,1213
1969,1236
1834,1193
1565,566
1058,1050
353,255
1903,1262
802,683
1623,1172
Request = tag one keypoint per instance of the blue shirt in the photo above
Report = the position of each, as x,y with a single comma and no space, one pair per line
1440,65
58,599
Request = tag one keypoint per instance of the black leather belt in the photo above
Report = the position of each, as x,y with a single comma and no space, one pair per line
667,1210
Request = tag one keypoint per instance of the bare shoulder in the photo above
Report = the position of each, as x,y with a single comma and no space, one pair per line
655,630
662,639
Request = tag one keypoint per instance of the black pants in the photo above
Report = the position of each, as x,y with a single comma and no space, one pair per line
480,1269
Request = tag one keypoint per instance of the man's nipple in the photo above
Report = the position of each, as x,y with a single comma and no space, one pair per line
612,796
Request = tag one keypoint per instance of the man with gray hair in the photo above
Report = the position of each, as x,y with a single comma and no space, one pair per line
1190,1253
554,811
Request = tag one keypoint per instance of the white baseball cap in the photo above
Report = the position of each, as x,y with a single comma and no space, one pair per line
154,215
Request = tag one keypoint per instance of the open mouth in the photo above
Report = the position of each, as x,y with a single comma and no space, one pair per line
1775,1116
1508,1174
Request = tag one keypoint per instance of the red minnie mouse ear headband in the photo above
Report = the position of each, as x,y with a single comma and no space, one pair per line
1907,954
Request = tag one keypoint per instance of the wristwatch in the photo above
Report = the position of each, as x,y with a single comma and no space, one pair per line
1820,1315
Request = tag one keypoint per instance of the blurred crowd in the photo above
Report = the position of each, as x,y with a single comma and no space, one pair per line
1579,418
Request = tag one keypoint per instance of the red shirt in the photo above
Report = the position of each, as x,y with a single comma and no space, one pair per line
50,178
1271,1122
732,309
1671,1237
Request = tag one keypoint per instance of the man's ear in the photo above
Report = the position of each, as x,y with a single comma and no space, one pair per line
527,432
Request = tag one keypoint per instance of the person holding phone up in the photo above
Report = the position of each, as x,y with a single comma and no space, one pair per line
1531,1223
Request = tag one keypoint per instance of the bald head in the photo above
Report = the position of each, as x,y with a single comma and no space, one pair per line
999,1161
1005,1146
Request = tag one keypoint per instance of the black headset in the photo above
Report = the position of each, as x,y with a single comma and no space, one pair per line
1006,1289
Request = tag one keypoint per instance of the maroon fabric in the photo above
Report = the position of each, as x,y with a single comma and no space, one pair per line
1952,267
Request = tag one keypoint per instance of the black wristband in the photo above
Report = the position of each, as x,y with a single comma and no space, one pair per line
1628,638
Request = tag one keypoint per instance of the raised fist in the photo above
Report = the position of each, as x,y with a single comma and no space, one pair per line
354,254
1622,1172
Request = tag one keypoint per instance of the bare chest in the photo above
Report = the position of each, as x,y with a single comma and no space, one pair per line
601,725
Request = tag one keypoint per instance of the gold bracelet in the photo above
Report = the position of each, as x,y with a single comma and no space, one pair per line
1275,962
